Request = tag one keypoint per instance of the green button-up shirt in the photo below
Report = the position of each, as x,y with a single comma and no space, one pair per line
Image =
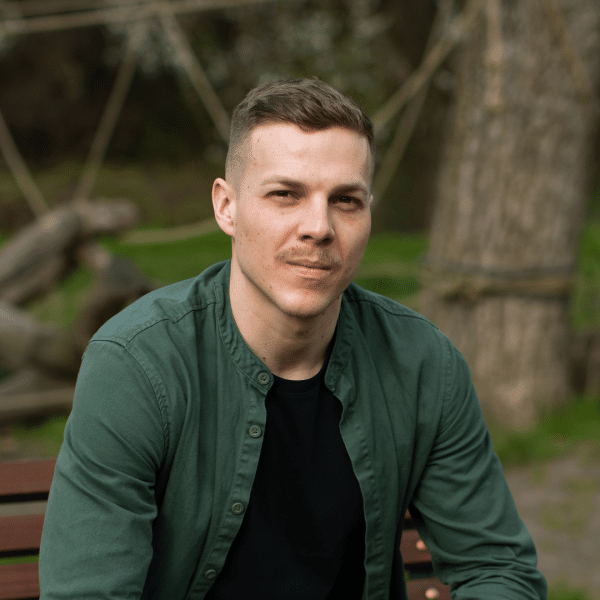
161,448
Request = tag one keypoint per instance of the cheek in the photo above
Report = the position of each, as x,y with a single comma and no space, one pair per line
259,236
358,243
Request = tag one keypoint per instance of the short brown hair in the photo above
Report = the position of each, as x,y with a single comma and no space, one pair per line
310,104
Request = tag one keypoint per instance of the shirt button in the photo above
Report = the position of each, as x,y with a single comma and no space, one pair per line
237,508
255,431
210,574
263,378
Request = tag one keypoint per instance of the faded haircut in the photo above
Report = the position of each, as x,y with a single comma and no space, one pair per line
310,104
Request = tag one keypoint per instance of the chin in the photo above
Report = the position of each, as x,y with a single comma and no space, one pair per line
307,308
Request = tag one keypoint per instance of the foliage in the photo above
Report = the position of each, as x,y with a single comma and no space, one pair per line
56,84
586,298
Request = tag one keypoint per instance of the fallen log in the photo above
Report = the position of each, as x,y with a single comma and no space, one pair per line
44,359
42,253
26,342
31,392
118,284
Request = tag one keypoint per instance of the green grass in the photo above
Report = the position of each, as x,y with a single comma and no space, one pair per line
19,560
390,267
563,591
42,439
174,261
586,297
166,195
565,430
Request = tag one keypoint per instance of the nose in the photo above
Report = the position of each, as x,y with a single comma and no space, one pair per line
316,222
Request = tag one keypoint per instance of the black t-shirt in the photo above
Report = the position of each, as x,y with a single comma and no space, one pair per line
302,537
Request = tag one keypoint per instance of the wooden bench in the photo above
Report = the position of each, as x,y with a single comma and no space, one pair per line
421,584
24,487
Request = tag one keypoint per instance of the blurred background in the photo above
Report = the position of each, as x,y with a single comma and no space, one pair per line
114,123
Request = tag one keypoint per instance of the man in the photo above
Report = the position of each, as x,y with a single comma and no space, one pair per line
259,431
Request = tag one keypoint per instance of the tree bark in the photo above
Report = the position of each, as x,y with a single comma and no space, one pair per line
511,197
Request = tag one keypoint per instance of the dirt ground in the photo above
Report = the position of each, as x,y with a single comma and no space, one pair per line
560,505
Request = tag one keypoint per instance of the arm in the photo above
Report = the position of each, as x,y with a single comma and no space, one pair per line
464,509
97,538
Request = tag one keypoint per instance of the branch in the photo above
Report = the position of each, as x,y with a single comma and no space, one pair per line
409,118
174,234
129,11
578,70
457,30
52,7
21,173
395,151
111,113
185,56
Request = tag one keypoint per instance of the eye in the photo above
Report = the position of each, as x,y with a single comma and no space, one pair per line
280,193
347,202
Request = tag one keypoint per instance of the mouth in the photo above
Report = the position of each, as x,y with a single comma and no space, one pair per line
309,264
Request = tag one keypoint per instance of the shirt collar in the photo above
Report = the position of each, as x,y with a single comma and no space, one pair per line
250,365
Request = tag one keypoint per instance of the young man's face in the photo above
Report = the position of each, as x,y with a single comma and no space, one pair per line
298,210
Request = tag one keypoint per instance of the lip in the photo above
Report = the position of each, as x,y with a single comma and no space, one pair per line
310,270
309,264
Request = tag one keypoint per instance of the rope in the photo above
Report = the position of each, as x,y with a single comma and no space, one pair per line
185,56
502,272
174,234
579,72
453,280
20,171
457,30
129,11
111,113
49,7
409,118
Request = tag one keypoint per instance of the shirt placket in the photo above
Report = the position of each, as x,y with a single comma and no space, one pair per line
242,479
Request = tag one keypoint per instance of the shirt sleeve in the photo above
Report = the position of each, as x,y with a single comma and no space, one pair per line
97,536
464,509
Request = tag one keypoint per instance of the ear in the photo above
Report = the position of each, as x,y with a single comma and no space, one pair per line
223,199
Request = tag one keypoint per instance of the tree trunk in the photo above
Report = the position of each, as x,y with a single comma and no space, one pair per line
513,186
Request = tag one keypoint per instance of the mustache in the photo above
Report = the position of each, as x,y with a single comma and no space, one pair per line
322,256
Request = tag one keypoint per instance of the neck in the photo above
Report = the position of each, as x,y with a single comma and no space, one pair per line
291,347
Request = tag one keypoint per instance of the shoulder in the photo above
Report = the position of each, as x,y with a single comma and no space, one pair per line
165,307
399,339
378,316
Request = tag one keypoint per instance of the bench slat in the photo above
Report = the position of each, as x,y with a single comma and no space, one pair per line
413,549
19,582
26,477
21,533
427,589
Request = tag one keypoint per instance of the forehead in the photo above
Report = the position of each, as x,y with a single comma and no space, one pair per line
283,143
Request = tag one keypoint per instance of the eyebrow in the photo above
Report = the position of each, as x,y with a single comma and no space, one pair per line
344,188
